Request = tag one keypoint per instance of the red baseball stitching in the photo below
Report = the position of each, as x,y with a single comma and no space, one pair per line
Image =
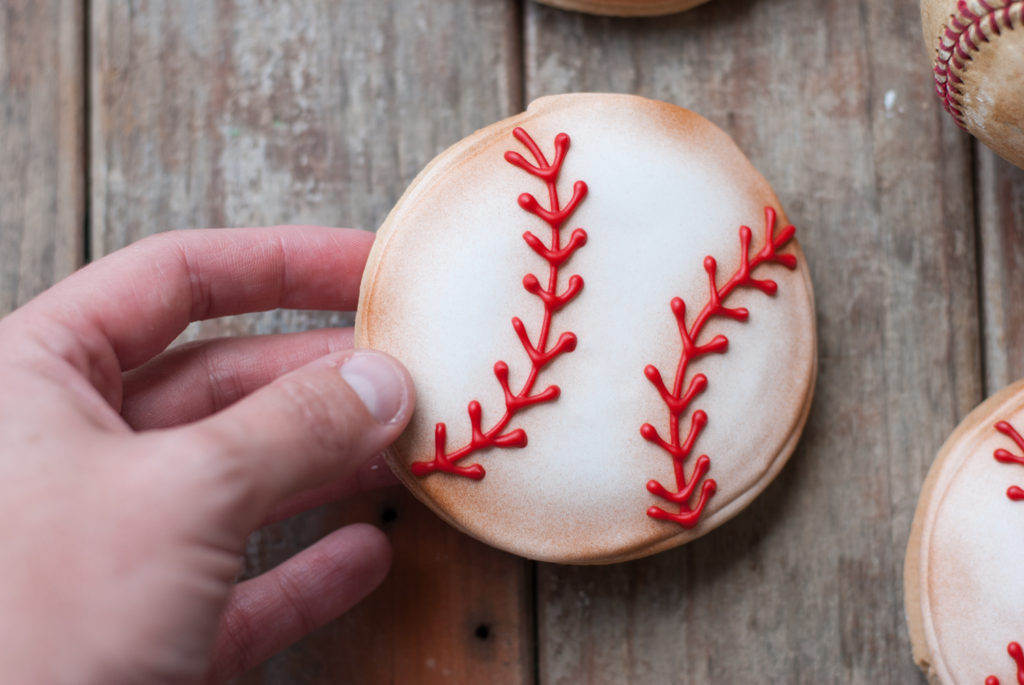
1015,494
1017,654
1001,455
540,354
677,400
963,35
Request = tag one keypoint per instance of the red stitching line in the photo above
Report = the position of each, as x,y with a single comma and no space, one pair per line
1017,654
540,354
678,401
1001,455
1015,494
963,35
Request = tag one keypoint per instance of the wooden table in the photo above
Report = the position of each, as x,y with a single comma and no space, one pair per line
121,119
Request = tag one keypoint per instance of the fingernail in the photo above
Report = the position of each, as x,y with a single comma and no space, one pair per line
378,383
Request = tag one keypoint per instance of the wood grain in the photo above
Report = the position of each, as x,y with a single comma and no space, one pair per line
248,113
832,103
42,172
1001,229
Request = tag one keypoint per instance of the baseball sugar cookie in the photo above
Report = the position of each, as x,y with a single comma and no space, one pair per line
963,580
978,52
609,323
626,8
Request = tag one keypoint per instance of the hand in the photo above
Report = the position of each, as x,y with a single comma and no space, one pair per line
130,476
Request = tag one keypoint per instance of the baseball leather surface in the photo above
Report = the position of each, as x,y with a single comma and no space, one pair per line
977,49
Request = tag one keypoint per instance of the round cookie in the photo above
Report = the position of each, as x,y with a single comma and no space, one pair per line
583,394
625,8
964,589
978,51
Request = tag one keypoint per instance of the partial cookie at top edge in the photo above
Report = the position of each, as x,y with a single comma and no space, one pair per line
625,8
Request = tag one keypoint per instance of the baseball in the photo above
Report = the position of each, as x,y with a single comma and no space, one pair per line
977,48
625,8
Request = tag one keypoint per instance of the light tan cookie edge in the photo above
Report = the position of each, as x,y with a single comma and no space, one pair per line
946,462
482,140
625,8
739,504
773,468
363,339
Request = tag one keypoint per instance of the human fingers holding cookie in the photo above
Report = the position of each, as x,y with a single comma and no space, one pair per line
130,477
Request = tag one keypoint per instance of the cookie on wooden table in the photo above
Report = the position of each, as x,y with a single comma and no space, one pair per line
625,8
978,52
963,574
608,361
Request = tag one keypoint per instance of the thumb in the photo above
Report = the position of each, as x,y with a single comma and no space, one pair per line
317,424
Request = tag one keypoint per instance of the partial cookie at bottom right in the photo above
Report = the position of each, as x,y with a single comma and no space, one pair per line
964,571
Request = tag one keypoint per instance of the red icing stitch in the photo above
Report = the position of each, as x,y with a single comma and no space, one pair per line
1017,654
540,354
963,35
1013,492
677,400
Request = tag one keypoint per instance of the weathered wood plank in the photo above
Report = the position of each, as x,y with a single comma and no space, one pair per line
832,102
1000,188
250,112
42,172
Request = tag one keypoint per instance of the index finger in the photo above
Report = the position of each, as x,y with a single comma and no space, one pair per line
135,301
